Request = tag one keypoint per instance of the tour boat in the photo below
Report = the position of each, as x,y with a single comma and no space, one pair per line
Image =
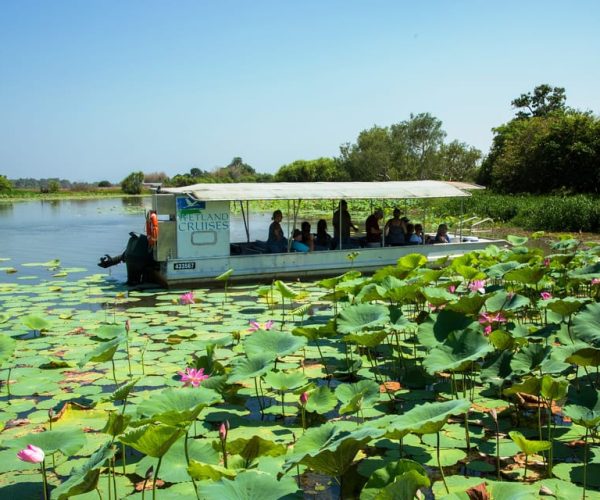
189,240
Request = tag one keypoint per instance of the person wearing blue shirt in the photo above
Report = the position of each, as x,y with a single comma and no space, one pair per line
297,245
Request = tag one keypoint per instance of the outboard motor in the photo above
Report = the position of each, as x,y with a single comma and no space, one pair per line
137,257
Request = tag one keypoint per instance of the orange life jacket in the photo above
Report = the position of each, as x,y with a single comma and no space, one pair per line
152,228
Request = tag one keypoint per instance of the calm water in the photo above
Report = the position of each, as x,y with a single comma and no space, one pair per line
78,232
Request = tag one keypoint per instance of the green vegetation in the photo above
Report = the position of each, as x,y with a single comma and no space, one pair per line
548,148
476,376
132,184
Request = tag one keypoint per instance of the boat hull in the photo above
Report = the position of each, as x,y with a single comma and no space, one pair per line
265,267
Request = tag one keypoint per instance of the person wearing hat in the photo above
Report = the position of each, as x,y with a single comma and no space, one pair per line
395,229
372,228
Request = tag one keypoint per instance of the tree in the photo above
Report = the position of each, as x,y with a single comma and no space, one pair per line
558,152
543,101
5,185
458,161
132,184
53,186
104,184
319,170
404,151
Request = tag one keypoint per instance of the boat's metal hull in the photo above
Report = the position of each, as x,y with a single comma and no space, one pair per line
263,267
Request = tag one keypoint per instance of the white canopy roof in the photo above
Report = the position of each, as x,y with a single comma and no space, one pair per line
324,190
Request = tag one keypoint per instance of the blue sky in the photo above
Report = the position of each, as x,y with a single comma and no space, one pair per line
96,89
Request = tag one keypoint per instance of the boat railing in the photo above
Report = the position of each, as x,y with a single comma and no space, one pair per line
467,227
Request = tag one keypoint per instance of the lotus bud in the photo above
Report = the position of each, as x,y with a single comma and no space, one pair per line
494,414
223,429
149,472
31,454
304,398
127,326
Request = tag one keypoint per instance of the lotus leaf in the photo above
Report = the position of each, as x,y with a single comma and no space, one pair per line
588,356
586,324
283,381
584,406
499,270
272,343
85,478
531,385
467,304
35,323
7,347
331,283
404,294
67,442
284,289
437,296
411,262
517,241
438,327
525,275
153,439
225,276
108,332
252,448
330,448
321,400
566,306
529,358
177,406
502,300
201,471
528,446
362,317
552,388
397,480
363,394
247,368
457,353
251,485
104,351
122,393
467,272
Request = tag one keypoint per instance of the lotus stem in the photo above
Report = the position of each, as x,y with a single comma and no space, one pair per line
128,356
99,494
44,480
114,476
437,450
187,459
114,372
322,359
8,381
303,409
154,479
282,404
468,438
585,461
108,484
123,458
258,396
525,471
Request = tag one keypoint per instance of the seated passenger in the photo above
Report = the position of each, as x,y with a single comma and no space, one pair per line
297,245
442,234
372,228
276,241
342,223
322,240
395,229
419,232
307,237
411,237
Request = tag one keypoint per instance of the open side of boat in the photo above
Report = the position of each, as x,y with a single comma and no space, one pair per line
190,239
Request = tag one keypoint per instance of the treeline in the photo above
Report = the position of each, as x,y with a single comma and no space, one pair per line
49,185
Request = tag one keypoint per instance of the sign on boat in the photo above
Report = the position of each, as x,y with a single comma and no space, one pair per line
189,238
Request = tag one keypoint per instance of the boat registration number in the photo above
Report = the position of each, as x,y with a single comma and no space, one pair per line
181,266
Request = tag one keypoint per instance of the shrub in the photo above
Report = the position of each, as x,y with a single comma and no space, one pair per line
132,184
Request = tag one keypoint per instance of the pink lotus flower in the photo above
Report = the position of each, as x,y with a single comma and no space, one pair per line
187,298
477,286
255,325
192,377
596,281
487,330
546,295
452,288
32,454
546,262
304,398
490,318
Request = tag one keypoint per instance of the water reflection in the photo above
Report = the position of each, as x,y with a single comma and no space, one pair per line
6,206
